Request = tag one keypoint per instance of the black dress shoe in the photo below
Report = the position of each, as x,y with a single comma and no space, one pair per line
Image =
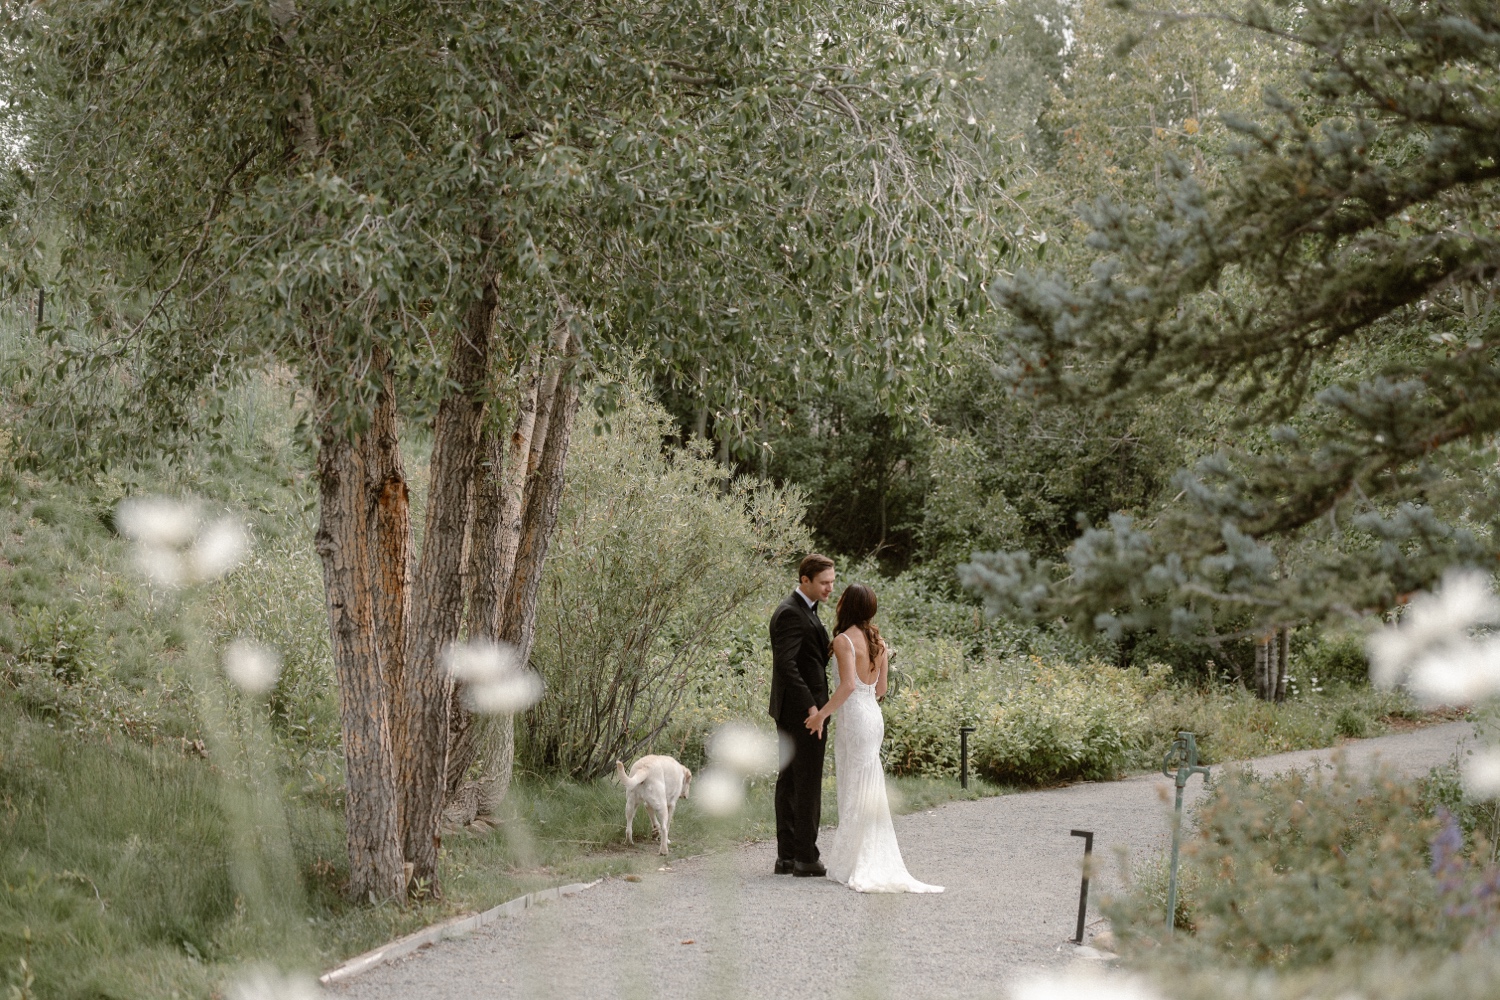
783,866
808,869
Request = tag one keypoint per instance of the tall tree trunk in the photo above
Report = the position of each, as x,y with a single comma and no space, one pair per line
1285,662
438,592
540,507
500,482
370,806
390,529
1263,668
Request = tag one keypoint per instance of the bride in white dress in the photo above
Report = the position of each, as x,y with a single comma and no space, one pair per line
865,856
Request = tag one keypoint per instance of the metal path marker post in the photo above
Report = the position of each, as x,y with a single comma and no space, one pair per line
963,755
1183,756
1083,893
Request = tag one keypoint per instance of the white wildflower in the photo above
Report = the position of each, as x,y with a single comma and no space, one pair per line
494,681
269,984
1457,676
718,792
163,567
219,549
1482,775
251,666
1082,985
745,750
157,522
173,548
1433,645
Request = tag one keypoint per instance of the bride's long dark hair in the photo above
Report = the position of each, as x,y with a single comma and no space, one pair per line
856,610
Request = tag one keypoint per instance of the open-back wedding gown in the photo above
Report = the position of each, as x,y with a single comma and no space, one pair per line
865,855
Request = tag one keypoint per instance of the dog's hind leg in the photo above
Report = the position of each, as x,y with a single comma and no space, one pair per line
630,820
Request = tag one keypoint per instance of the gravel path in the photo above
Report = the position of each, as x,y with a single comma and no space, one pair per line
724,926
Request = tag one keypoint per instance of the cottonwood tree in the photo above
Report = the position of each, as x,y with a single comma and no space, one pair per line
1338,288
439,215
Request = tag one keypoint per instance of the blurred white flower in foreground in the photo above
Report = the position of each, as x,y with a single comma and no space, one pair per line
1482,775
494,682
1433,647
157,522
251,666
1083,985
269,984
718,792
747,750
172,547
219,549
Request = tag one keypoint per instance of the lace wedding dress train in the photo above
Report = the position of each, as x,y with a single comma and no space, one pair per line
865,856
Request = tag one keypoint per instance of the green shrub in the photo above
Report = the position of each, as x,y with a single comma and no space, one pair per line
1332,658
1295,869
1034,723
653,560
1351,724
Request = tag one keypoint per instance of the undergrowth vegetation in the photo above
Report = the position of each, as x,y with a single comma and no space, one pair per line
1339,879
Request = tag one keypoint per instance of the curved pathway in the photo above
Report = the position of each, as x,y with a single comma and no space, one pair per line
724,926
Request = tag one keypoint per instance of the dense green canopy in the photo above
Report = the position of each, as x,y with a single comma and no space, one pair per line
1337,286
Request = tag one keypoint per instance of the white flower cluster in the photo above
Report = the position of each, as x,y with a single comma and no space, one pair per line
736,751
1434,649
173,546
1083,985
251,666
1444,654
495,683
269,984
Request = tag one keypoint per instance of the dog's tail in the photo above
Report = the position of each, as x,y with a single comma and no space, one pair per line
626,779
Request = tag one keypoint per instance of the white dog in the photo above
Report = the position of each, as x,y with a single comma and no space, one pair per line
658,781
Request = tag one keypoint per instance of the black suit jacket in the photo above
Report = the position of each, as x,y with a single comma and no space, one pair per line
799,660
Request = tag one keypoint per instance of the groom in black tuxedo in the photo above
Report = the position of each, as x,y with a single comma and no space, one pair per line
799,687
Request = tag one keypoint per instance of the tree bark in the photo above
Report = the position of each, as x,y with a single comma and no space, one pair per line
540,508
1285,662
500,480
390,529
438,592
370,802
1262,669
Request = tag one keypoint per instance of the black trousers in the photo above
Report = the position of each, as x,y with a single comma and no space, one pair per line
799,794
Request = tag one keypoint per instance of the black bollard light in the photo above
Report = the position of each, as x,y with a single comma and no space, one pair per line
1083,893
963,755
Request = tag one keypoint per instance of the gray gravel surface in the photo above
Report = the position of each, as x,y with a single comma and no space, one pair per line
724,926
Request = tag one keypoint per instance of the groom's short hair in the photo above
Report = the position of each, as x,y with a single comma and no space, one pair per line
813,564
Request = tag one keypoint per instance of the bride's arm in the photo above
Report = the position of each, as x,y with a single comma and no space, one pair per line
845,656
883,665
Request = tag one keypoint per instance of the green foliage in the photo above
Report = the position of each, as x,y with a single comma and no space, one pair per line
114,860
1298,869
1334,285
1471,974
865,474
1035,724
744,192
1231,723
654,557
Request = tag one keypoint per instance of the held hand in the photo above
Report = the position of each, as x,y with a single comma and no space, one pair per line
815,722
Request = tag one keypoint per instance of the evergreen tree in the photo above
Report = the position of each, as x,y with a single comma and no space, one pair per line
1336,286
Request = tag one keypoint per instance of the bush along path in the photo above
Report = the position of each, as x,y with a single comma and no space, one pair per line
724,926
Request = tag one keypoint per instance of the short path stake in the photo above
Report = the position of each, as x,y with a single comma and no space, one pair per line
1183,755
1083,893
963,755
